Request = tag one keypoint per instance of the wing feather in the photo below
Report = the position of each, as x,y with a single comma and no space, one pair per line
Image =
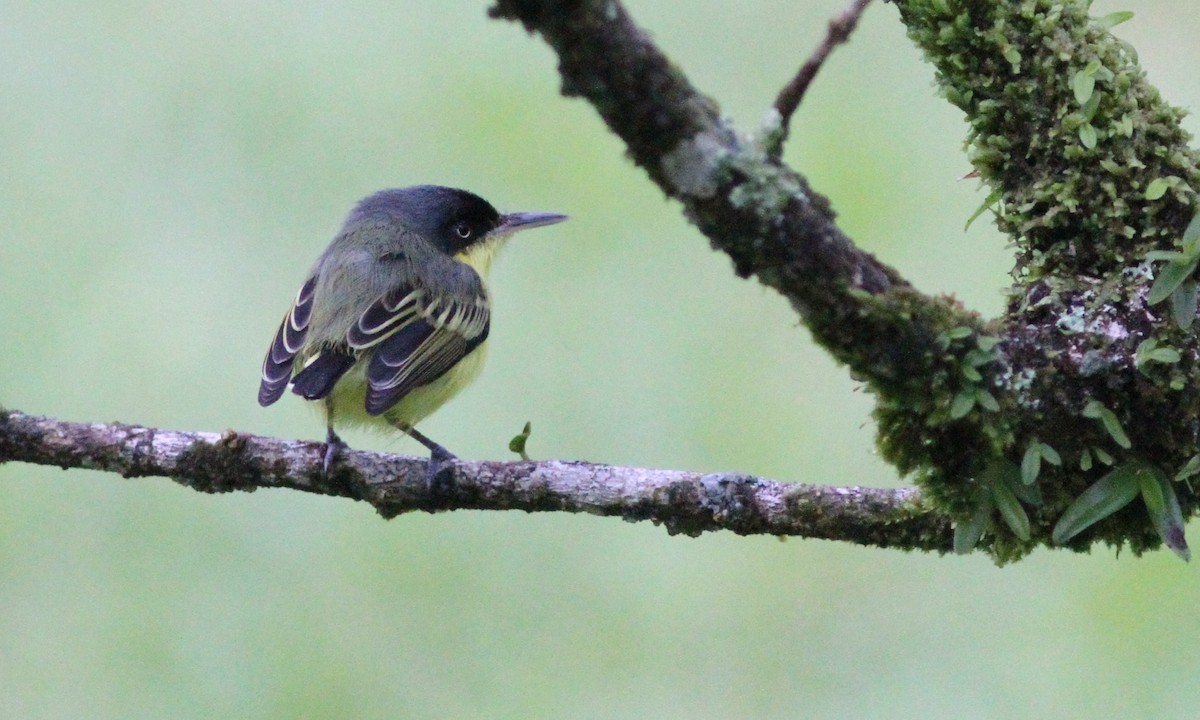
318,377
277,366
421,340
391,312
414,333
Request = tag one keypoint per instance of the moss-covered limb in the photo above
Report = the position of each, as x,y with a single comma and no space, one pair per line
1093,379
1080,352
761,213
1093,171
683,502
1065,125
944,413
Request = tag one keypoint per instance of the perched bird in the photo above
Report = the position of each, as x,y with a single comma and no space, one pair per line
393,317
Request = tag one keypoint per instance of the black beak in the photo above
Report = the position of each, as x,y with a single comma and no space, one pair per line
524,220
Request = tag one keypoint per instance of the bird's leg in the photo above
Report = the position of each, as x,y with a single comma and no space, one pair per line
333,443
438,455
437,451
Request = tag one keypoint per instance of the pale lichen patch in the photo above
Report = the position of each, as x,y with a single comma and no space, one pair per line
694,166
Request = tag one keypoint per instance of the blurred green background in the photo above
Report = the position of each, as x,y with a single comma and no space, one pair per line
170,170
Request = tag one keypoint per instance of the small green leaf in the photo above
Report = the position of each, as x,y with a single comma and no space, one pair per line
1157,188
1148,351
1189,469
1093,67
1109,494
986,400
960,332
1152,493
978,358
992,198
1156,255
964,402
1191,237
1085,460
1087,135
1103,456
1111,20
1050,455
971,373
1183,304
1095,410
1011,510
1091,106
1031,463
517,444
1028,494
1167,355
987,343
1141,354
1082,84
1013,56
967,533
1170,277
1163,507
1124,126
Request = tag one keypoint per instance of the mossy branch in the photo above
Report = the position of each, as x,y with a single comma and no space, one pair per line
1091,175
682,502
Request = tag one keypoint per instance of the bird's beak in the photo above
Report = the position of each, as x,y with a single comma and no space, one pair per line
523,220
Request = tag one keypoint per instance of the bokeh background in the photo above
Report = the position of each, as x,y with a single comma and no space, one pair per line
170,170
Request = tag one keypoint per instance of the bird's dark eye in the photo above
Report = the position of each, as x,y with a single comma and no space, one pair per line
463,230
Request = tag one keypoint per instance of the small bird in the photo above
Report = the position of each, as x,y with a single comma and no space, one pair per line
393,317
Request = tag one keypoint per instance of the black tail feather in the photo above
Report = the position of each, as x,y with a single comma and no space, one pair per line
317,379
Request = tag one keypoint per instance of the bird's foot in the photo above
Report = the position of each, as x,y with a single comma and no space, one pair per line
334,446
440,461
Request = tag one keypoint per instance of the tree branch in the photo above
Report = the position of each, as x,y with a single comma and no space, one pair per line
840,29
758,211
688,503
1092,172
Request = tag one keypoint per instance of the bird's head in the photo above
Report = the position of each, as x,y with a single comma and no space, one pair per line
456,222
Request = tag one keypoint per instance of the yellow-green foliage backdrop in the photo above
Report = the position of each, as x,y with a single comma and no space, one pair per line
169,172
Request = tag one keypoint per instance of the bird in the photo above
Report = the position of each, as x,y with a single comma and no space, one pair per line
393,318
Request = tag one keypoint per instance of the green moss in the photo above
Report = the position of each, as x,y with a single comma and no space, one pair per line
1092,172
1040,127
944,425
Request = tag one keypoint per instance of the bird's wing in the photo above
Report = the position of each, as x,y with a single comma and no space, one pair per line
418,331
277,367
